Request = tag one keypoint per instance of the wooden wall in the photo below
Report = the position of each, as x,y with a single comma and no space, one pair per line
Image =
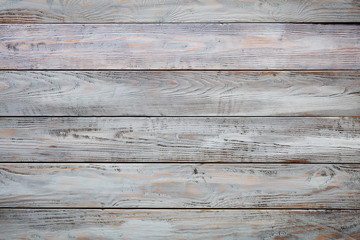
179,119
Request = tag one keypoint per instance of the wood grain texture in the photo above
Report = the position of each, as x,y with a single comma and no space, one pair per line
119,11
178,224
195,139
180,46
180,185
179,93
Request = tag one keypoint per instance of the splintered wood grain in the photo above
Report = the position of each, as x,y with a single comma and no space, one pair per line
119,11
180,93
180,46
193,139
178,224
180,185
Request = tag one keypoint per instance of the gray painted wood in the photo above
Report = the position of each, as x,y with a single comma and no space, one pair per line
180,185
190,139
119,11
180,93
178,224
180,46
52,143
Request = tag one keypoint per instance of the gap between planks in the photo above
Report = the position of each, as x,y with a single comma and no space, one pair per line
179,23
170,116
187,209
177,70
186,163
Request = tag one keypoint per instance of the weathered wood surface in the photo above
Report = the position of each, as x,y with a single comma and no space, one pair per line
180,185
180,46
178,224
118,11
179,93
193,139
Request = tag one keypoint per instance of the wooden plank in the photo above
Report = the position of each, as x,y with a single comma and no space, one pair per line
180,93
178,224
180,185
119,11
180,46
193,139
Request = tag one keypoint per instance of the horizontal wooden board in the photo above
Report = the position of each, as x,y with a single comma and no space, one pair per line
180,46
193,139
178,224
180,93
119,11
180,185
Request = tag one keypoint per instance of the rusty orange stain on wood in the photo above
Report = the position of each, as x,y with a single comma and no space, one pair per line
82,237
326,236
6,133
137,45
